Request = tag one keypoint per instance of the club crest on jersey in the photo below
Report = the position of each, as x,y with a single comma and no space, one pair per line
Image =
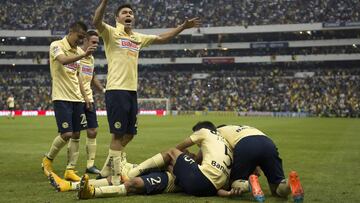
127,44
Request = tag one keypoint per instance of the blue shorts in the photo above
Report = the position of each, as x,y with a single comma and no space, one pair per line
91,117
257,150
70,116
190,178
122,109
155,182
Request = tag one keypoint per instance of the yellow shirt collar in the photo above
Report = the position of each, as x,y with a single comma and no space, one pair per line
66,43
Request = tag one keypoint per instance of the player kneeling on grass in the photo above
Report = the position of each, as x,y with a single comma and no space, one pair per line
253,148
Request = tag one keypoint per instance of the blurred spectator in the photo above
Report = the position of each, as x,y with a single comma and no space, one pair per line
55,15
326,93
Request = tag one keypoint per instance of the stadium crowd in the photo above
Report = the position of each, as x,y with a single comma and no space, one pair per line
326,93
46,14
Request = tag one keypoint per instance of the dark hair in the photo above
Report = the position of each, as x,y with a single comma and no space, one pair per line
77,26
204,124
90,33
121,7
220,126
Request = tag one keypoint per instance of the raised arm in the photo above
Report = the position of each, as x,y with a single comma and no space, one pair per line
99,15
185,144
167,36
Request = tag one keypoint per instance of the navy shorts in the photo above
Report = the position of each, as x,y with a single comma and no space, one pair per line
190,178
155,182
122,109
257,150
70,116
91,117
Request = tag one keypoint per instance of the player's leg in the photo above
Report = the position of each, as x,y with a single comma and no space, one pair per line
63,114
245,159
79,123
273,170
118,105
91,131
157,161
189,177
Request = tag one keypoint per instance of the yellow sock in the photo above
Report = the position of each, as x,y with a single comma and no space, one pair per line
283,189
110,191
106,170
99,182
156,161
73,153
116,166
242,184
91,151
56,146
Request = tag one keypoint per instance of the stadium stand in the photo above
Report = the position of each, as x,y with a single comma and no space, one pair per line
309,63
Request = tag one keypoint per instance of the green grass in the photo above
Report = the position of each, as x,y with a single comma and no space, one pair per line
325,152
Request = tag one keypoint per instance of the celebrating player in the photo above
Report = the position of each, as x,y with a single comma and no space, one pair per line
253,148
122,46
66,96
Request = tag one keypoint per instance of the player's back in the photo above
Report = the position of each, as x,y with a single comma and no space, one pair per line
234,133
217,156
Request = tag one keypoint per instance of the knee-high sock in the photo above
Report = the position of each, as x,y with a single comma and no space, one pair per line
91,151
116,166
110,191
73,153
56,146
283,189
106,169
156,161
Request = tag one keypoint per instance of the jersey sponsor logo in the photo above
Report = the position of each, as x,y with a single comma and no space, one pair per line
72,66
220,167
127,44
87,70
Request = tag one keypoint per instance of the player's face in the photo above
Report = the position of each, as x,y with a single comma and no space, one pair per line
92,40
126,17
76,37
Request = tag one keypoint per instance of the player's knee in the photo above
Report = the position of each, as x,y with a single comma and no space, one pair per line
75,135
135,185
66,136
91,133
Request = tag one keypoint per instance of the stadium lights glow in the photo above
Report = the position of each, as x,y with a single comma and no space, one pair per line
309,32
185,49
301,32
354,45
3,40
22,38
13,64
225,49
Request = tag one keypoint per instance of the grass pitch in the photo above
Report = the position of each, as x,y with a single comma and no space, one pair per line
325,152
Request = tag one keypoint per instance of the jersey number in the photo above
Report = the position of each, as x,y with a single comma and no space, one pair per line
154,181
227,153
83,119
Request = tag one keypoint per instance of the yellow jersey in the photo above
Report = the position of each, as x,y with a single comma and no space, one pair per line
87,65
122,53
65,84
217,156
234,133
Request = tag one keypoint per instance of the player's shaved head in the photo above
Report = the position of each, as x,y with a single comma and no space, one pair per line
204,124
121,7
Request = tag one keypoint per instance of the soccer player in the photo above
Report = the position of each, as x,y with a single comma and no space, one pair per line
87,74
122,46
66,96
253,148
11,106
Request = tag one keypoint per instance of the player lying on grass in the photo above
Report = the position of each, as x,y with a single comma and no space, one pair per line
253,148
203,179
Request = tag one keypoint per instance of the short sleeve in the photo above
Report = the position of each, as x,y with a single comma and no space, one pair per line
55,50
